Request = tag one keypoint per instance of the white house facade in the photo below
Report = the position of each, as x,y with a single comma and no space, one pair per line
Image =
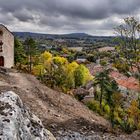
6,47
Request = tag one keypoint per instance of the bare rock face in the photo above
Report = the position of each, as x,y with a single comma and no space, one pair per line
17,122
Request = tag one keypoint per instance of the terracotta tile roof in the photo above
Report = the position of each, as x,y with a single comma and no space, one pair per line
127,82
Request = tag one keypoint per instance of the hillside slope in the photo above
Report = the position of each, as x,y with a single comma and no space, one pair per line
44,101
58,111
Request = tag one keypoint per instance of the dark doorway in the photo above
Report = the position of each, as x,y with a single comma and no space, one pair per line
1,61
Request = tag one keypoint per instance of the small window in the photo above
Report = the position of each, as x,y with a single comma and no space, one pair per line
1,33
0,48
1,61
1,43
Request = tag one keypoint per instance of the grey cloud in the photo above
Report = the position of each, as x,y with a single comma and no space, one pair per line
86,9
67,14
93,9
23,15
125,6
82,9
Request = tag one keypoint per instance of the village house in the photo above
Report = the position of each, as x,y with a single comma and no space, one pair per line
81,59
128,86
6,47
106,49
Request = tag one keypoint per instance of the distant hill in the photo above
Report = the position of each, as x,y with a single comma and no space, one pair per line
76,35
24,35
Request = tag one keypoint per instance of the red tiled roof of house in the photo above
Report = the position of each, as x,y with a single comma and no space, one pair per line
127,82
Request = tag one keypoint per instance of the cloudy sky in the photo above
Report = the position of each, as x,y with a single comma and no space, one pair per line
96,17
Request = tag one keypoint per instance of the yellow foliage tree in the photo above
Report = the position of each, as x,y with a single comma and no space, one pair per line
60,73
133,111
70,80
38,70
82,75
45,57
71,67
59,61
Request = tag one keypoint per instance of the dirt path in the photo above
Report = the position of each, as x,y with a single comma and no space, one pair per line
52,107
20,80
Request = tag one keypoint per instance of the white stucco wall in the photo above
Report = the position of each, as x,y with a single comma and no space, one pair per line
8,47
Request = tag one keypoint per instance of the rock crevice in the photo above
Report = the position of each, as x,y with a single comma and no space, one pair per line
17,122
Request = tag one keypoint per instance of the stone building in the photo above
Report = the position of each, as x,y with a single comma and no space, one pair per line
6,47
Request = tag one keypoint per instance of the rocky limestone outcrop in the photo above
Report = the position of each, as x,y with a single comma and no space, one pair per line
17,122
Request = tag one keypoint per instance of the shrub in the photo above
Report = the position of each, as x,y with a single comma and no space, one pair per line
38,70
94,106
107,109
103,62
82,75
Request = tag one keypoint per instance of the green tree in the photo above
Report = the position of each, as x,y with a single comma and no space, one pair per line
103,80
31,50
108,91
19,53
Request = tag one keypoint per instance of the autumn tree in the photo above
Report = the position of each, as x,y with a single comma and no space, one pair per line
128,39
44,64
56,71
45,58
70,79
60,61
82,75
133,111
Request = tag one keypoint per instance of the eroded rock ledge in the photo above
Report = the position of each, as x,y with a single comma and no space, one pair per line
17,122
